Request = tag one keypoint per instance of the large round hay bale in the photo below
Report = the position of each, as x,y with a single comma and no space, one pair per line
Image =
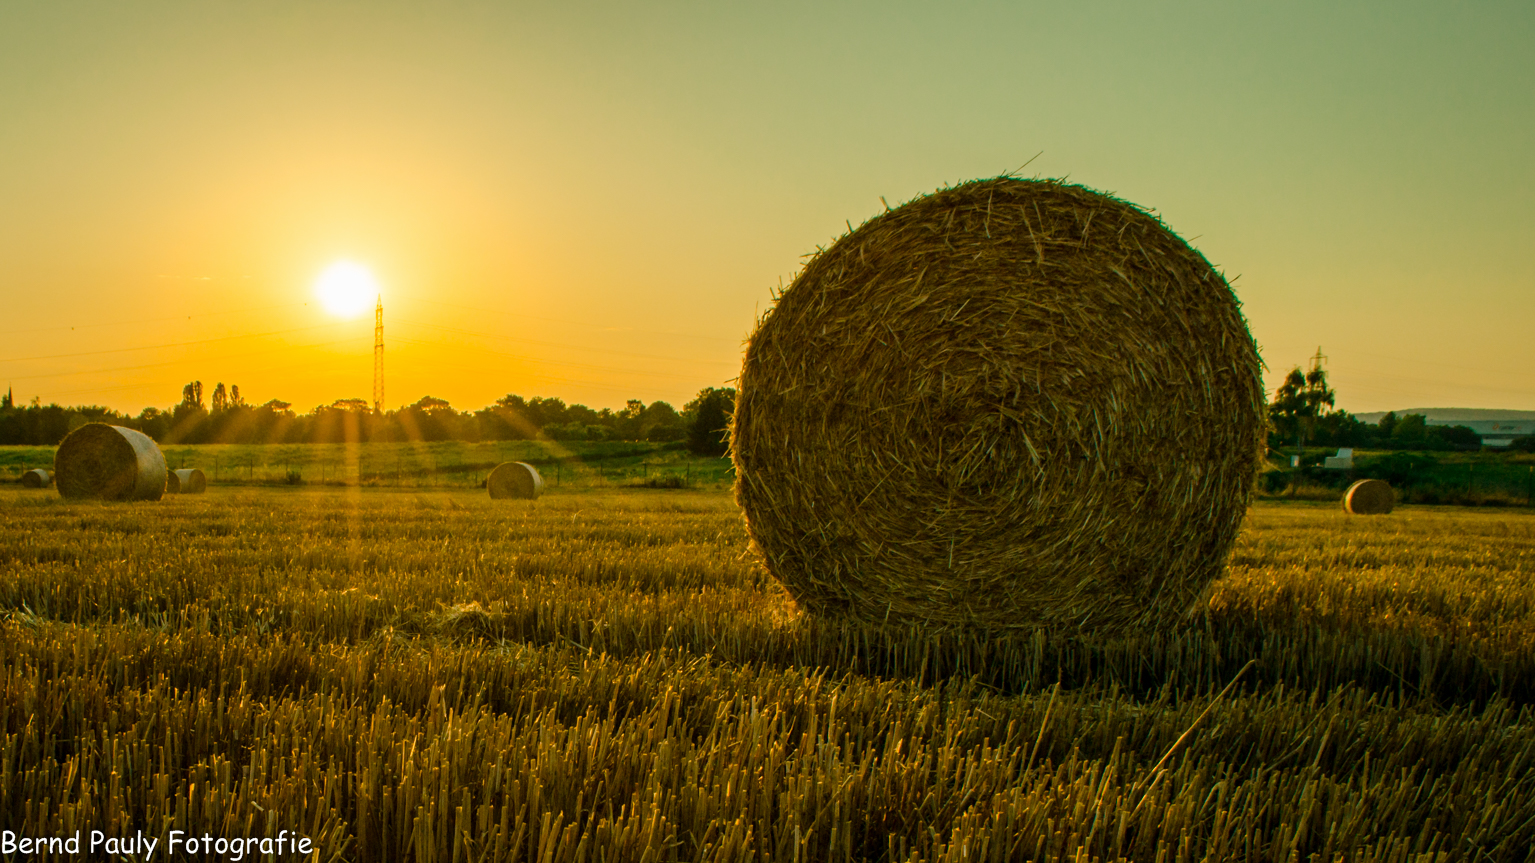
1369,497
109,462
515,479
1007,404
36,478
187,480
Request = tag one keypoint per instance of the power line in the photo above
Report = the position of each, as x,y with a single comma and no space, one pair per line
561,321
177,381
1417,384
152,320
336,323
563,345
180,361
553,362
543,377
168,345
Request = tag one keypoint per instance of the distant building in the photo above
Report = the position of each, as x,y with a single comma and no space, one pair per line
1492,428
1495,434
1483,421
1496,428
1344,460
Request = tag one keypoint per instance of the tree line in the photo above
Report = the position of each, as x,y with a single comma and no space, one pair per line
1301,416
224,417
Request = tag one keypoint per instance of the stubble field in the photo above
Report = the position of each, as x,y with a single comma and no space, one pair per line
607,675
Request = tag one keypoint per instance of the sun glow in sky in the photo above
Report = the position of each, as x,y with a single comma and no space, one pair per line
346,289
595,201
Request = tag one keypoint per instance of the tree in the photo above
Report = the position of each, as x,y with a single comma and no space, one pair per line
192,395
1455,437
661,422
709,429
626,423
1410,432
1386,426
1341,428
546,411
188,418
153,422
507,419
430,419
230,421
1298,403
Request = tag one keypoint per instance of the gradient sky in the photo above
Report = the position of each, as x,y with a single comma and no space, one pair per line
594,200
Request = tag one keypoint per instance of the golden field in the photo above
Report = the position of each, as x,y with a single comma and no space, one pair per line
607,675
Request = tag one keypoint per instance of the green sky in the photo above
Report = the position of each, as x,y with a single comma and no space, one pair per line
593,201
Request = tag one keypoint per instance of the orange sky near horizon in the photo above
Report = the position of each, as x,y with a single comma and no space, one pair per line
593,202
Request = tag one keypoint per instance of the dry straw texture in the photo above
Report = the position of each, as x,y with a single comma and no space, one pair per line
603,677
1369,497
187,480
37,478
1007,404
515,479
109,462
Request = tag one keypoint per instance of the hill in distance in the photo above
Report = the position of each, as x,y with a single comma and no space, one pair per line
1454,415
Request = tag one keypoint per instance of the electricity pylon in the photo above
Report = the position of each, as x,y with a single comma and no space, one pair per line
378,356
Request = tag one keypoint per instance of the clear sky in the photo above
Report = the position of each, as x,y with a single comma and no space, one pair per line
594,200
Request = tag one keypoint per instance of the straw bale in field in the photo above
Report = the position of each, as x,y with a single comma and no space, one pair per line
514,479
1007,404
187,480
1369,497
37,478
109,462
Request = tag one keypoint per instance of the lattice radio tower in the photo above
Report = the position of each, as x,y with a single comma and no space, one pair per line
378,356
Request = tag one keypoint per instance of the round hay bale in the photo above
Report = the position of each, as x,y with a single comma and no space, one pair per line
187,480
1009,404
515,479
36,478
108,462
1369,497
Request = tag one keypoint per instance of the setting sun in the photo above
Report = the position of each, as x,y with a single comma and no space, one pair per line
346,289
